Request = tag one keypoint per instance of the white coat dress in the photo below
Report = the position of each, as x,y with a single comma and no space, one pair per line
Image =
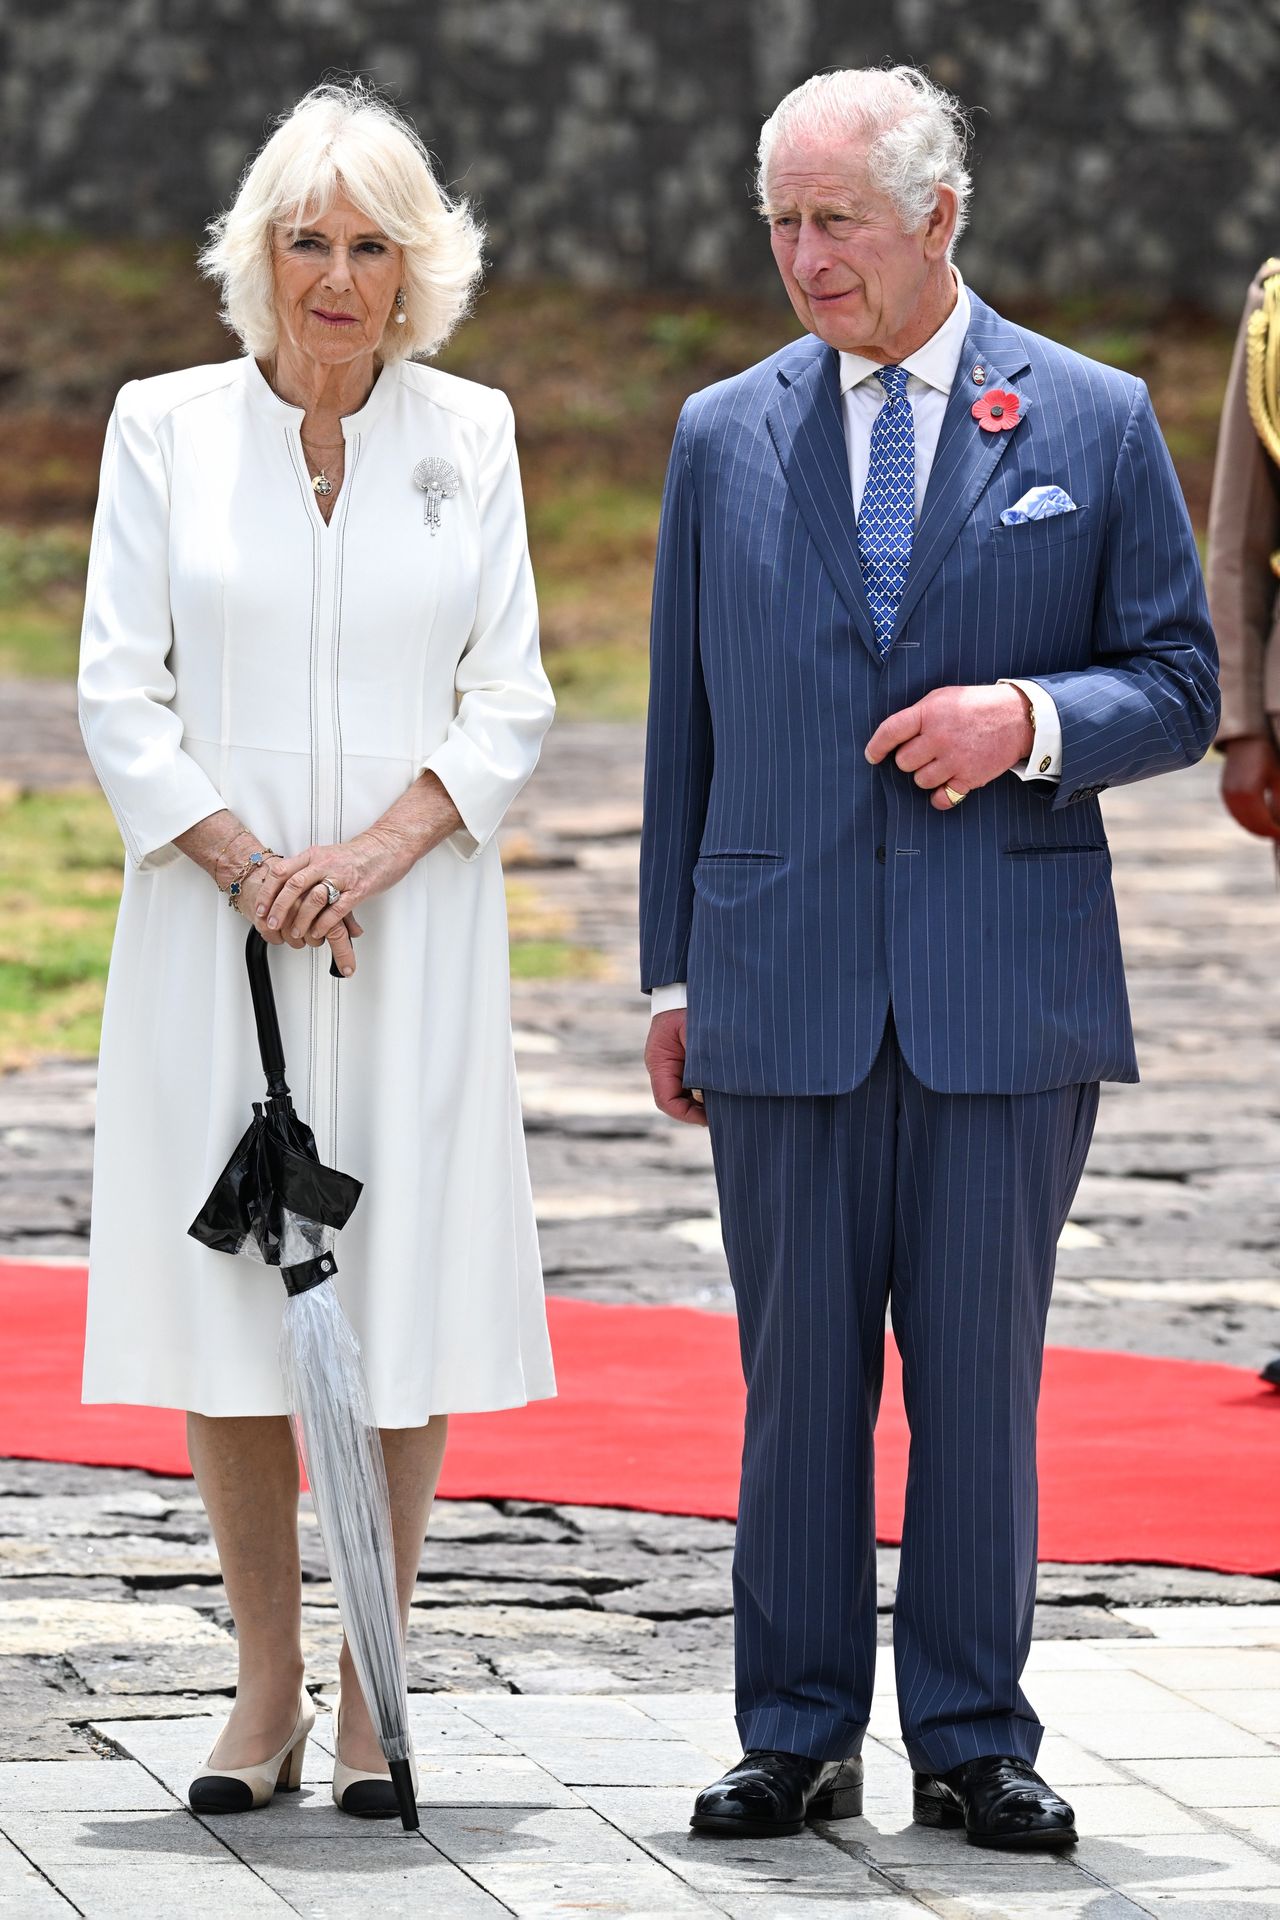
238,652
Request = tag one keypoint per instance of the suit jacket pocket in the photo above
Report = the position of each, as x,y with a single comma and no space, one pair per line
1075,850
744,853
730,882
1035,535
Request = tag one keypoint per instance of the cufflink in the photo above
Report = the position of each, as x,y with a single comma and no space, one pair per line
1046,763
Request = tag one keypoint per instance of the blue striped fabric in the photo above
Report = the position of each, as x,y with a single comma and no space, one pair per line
948,1207
797,889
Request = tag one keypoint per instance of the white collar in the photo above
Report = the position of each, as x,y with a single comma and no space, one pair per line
936,362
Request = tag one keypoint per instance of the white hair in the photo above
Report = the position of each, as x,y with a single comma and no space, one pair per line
343,138
918,135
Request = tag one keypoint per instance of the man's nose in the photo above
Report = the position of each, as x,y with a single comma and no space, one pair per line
813,251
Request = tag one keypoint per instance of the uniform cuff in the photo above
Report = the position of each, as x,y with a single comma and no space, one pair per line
667,999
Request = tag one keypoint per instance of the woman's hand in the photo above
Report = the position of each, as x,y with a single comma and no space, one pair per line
292,904
262,885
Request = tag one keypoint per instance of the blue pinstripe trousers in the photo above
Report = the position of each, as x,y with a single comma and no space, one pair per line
947,1207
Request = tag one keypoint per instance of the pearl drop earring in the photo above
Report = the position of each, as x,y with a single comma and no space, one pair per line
401,316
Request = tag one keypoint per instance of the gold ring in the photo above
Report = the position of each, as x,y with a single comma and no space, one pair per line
954,797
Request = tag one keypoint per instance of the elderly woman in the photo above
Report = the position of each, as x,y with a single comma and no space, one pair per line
312,690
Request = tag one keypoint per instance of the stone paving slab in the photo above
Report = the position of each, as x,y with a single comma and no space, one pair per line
545,1805
404,1880
1146,1736
559,1862
80,1786
25,1894
956,1897
1258,1710
164,1866
1155,1864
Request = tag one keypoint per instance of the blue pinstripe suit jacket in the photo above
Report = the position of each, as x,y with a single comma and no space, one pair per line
799,890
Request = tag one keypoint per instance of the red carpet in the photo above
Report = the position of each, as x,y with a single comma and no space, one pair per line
1140,1460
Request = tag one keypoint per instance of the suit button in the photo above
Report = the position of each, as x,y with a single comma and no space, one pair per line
880,856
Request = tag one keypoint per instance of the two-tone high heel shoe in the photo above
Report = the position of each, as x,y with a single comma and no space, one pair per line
369,1796
241,1789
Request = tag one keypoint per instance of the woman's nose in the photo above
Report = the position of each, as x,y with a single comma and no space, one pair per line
338,272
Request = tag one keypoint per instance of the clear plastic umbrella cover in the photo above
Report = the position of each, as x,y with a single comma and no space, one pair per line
276,1203
342,1452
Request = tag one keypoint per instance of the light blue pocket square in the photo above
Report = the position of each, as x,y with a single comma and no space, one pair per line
1037,503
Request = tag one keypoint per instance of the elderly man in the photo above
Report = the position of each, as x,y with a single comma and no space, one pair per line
925,587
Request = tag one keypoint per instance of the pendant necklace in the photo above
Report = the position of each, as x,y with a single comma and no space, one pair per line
321,484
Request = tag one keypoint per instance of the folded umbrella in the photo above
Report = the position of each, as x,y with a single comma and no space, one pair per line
275,1202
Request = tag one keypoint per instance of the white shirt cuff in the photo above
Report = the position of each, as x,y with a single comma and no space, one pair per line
666,999
1045,759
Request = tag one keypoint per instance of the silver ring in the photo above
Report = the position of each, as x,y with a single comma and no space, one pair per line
333,892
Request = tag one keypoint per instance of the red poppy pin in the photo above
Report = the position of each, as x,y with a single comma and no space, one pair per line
997,411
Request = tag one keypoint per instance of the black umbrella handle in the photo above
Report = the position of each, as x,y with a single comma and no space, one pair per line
257,955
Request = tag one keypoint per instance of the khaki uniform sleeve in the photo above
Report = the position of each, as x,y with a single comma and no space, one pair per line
1244,531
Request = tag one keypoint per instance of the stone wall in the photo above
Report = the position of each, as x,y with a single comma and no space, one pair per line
1121,144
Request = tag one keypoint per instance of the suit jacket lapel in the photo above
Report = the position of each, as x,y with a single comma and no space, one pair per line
808,431
966,457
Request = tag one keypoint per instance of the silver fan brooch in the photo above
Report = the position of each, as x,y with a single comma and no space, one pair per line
439,481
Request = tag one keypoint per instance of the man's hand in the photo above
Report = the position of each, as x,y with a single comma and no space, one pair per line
961,737
664,1057
1251,784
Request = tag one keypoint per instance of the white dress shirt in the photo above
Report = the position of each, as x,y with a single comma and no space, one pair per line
931,371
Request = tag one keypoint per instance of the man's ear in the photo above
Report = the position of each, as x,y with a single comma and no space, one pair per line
939,228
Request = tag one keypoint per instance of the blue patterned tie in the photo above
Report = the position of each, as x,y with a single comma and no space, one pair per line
887,520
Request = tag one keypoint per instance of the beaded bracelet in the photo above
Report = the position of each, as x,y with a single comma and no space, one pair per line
242,873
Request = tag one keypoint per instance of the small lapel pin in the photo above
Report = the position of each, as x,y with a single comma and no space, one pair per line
439,481
979,376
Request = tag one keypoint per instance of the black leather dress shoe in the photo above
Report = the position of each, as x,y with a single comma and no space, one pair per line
1271,1373
999,1802
775,1793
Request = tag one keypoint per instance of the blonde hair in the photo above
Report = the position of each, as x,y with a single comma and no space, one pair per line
918,135
342,137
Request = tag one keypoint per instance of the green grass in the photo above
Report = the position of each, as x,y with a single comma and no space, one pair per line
41,593
60,868
34,563
540,945
39,642
593,521
598,681
553,960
